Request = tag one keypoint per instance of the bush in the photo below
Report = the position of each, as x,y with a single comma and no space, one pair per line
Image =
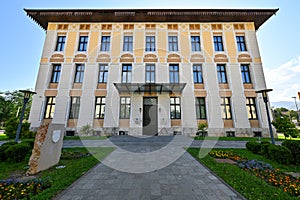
294,147
280,154
17,152
253,146
3,147
264,148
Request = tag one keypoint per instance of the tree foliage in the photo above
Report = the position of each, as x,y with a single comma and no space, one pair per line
285,126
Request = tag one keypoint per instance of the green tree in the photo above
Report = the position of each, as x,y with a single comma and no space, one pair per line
285,126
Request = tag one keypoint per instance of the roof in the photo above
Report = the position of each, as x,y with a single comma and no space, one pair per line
44,16
150,87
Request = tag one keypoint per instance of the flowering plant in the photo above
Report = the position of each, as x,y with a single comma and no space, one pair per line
225,154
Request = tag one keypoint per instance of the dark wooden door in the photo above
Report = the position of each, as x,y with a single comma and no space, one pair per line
150,116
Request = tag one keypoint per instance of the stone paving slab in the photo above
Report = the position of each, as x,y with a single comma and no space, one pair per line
121,176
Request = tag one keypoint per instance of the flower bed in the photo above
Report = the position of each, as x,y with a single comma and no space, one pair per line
225,155
14,189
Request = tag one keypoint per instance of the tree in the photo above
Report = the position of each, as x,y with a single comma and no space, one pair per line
285,126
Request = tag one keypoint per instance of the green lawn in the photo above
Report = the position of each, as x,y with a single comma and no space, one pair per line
234,138
60,178
86,137
248,185
3,137
281,136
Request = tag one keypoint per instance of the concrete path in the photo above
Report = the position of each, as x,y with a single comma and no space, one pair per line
148,168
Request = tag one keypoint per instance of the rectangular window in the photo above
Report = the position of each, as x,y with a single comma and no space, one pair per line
226,108
197,71
125,108
103,72
251,108
245,73
174,73
221,70
175,108
83,40
49,108
105,43
79,73
128,43
60,44
55,73
126,73
240,40
150,73
195,40
100,107
74,108
200,108
150,43
173,43
218,43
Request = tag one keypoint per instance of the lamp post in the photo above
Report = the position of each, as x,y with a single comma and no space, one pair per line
265,98
297,110
27,95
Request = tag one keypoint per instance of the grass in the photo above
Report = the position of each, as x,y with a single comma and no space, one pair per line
249,186
60,178
234,138
281,136
86,137
3,137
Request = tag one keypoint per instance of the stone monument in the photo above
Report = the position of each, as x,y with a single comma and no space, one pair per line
47,148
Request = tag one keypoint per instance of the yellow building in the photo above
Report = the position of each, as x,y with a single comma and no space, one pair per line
151,72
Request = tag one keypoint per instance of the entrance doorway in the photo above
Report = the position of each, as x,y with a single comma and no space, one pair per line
150,116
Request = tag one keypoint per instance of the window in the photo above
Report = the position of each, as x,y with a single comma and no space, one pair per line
251,108
195,43
150,43
105,43
79,73
173,43
50,106
83,40
175,108
126,73
218,43
74,108
103,72
55,73
100,107
150,73
60,44
125,108
245,74
240,40
197,71
128,43
221,74
226,108
200,108
174,73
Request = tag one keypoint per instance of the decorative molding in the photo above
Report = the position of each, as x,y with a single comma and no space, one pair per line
173,58
104,58
127,58
197,58
80,58
221,57
57,57
150,58
244,57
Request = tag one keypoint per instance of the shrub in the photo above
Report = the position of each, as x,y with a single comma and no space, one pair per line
264,148
3,147
280,154
17,152
254,164
253,146
294,147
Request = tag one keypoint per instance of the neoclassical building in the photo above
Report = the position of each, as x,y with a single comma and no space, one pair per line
151,72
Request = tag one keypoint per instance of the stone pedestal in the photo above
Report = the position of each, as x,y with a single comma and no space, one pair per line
47,148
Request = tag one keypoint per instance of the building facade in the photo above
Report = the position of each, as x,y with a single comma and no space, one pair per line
151,72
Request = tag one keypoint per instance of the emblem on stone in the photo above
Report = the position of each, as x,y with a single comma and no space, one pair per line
56,135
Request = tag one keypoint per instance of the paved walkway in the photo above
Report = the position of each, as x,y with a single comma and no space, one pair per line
148,168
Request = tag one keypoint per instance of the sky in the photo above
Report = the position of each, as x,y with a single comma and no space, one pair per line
22,39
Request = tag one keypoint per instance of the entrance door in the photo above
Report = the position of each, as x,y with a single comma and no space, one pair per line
150,116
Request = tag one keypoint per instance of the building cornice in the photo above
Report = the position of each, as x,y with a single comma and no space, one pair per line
45,16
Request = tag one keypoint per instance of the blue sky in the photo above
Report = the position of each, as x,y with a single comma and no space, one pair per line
22,39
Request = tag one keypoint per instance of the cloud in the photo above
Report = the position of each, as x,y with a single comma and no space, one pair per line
284,80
